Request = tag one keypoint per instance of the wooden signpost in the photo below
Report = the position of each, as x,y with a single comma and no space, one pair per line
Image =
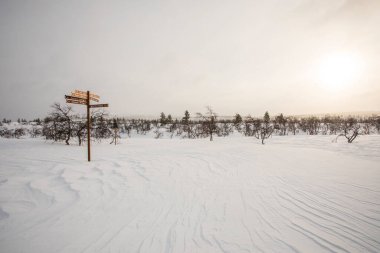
84,98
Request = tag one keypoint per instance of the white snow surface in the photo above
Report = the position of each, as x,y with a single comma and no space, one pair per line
293,194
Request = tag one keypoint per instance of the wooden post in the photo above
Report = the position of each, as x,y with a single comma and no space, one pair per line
88,128
83,98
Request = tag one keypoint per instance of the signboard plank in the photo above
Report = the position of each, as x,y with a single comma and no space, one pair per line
84,93
71,101
76,98
79,95
98,105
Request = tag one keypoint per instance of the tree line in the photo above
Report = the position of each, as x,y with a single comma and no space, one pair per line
64,125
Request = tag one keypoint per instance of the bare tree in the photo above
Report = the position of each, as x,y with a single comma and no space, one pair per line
115,132
225,129
101,128
266,128
158,133
208,119
376,123
310,125
35,131
252,127
59,124
292,124
280,124
350,130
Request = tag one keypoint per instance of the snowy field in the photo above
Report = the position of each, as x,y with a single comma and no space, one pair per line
294,194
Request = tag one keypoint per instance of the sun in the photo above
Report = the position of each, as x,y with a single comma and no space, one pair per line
338,71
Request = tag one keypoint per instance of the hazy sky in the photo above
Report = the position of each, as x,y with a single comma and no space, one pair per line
144,57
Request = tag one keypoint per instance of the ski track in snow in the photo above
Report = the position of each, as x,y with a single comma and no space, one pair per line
294,194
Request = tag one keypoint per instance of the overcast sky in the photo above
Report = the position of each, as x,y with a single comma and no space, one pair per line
144,57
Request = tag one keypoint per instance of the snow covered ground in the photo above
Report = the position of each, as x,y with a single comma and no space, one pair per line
294,194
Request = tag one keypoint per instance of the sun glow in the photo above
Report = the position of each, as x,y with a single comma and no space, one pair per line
339,71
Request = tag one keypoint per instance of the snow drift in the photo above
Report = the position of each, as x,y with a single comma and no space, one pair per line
295,194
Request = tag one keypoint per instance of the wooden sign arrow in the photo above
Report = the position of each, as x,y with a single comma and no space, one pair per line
98,105
85,93
79,102
82,92
84,96
76,98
